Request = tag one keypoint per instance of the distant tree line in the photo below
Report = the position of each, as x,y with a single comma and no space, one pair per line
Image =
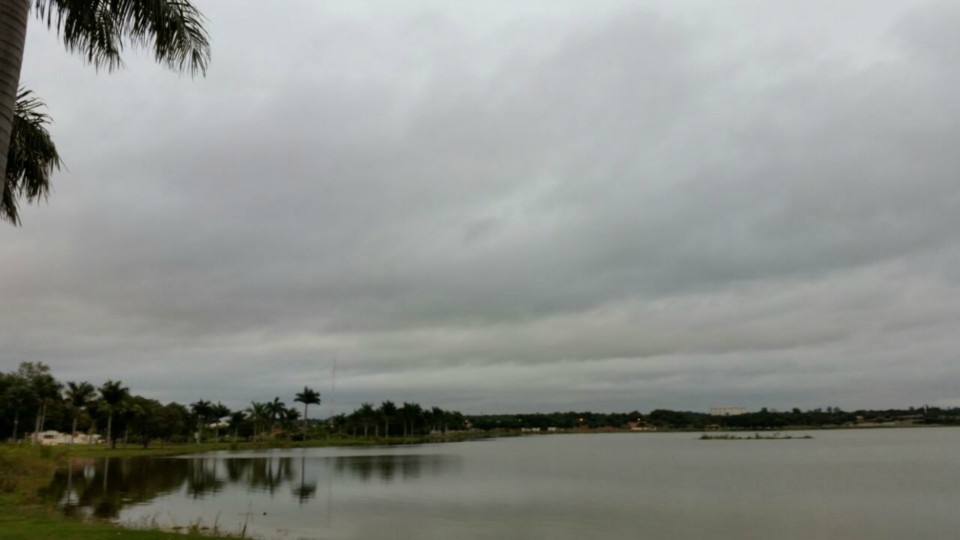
407,420
32,401
559,420
665,419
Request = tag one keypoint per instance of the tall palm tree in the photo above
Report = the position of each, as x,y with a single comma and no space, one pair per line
387,411
98,31
113,394
258,414
366,414
217,413
201,411
237,418
276,410
309,396
31,158
410,414
78,396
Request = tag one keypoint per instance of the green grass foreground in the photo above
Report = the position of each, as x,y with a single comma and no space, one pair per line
23,471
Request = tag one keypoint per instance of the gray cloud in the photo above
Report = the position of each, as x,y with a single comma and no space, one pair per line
507,208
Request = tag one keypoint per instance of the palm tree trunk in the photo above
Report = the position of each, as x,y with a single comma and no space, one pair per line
110,430
74,431
43,413
16,424
36,427
13,36
304,421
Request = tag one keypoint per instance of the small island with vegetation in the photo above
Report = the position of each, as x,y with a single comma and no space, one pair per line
755,437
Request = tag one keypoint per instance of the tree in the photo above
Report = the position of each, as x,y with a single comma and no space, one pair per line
237,418
98,31
308,397
202,410
78,396
387,411
217,413
15,395
366,414
258,414
276,411
410,415
151,420
44,389
113,393
31,158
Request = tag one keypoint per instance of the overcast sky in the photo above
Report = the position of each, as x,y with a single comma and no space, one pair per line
507,207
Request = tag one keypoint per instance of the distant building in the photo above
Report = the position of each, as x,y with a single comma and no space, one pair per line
54,438
727,411
641,426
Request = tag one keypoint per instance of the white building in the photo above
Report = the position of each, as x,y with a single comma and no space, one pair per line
53,438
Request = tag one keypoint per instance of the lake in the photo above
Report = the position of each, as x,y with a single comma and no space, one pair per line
844,484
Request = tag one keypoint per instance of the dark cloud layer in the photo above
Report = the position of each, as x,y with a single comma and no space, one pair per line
507,207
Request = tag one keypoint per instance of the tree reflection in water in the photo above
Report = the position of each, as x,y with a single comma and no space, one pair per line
387,468
305,491
101,488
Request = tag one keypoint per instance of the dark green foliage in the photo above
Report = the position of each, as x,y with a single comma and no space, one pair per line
308,397
31,399
31,158
97,30
764,419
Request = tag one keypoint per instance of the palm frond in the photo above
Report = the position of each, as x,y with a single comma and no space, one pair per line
96,29
31,158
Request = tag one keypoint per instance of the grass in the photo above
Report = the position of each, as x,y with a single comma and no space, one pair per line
24,470
19,522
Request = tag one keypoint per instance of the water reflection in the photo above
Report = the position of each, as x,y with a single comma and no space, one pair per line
102,488
387,468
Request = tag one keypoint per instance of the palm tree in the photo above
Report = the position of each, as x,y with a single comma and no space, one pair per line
366,413
31,158
202,411
410,414
98,31
259,414
309,396
276,411
237,418
217,413
113,394
387,410
78,396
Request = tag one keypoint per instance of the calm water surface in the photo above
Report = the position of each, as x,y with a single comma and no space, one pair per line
870,484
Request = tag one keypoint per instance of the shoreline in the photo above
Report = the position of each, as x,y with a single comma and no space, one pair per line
25,469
